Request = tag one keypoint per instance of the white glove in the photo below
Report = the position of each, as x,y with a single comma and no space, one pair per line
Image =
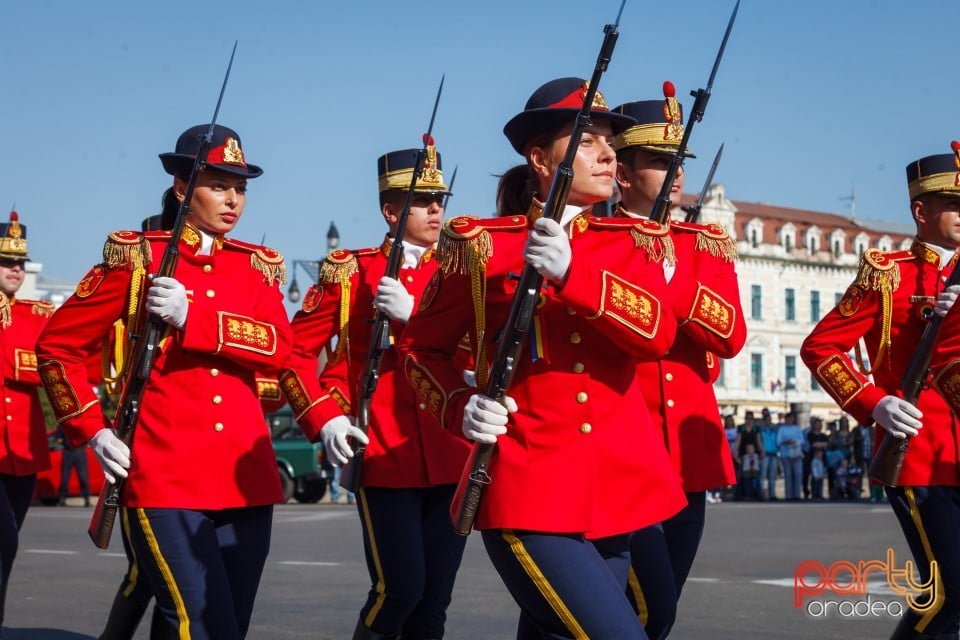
484,418
112,454
334,435
946,299
393,299
548,250
897,416
167,299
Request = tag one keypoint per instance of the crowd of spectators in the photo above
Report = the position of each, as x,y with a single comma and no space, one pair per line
814,463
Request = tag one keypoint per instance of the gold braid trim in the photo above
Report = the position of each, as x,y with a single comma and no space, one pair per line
111,364
272,271
338,268
464,256
478,291
658,247
718,247
343,341
885,278
5,319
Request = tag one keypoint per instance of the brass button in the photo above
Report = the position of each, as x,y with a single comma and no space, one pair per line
218,426
582,397
422,406
217,399
207,268
541,301
575,338
578,367
409,278
586,428
9,417
669,377
8,399
214,372
211,293
670,403
571,311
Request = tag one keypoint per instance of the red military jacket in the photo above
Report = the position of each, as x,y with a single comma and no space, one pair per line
23,446
201,441
888,305
581,455
407,447
678,388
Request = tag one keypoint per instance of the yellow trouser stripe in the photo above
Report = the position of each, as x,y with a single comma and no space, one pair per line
168,578
931,612
546,590
640,603
134,571
381,586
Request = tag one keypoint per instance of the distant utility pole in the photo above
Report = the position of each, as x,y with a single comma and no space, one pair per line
852,199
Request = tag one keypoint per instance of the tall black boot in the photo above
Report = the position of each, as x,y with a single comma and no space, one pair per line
125,616
362,632
159,628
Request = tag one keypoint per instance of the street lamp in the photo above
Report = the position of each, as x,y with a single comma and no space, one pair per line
311,267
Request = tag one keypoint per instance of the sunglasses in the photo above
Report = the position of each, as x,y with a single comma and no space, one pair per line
10,263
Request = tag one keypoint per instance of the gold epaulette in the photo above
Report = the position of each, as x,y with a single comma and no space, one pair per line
338,268
711,237
127,249
40,308
5,317
649,235
879,270
465,245
267,261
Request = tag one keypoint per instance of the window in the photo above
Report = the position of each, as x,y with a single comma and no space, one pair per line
790,370
814,385
756,303
756,370
722,378
814,306
790,307
837,297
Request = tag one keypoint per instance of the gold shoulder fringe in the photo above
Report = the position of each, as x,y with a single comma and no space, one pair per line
337,272
719,247
120,251
878,277
5,319
658,247
462,255
43,309
273,271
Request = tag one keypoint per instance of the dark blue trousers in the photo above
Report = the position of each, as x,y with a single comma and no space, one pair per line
683,533
413,554
930,520
203,567
566,586
14,502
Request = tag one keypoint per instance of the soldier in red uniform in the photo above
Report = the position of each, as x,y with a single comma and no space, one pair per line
576,409
411,465
24,450
889,304
201,544
704,297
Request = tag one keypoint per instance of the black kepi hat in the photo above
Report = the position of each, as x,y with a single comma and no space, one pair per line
659,127
935,174
555,103
395,170
225,154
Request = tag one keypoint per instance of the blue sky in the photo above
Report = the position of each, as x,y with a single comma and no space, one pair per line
813,98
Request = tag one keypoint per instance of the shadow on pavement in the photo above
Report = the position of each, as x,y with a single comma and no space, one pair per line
34,633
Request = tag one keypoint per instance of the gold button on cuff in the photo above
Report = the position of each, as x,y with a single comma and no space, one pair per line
670,403
218,426
582,397
578,367
575,338
669,377
217,399
211,293
207,268
586,428
214,372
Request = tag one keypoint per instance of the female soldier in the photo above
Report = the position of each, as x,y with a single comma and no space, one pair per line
576,408
201,544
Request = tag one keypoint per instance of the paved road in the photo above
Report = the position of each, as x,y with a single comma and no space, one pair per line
741,586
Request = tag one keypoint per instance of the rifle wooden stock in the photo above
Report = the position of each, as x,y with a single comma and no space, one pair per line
476,476
352,475
145,346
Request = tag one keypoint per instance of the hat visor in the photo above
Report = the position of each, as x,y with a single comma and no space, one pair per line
662,150
527,124
423,192
14,256
178,163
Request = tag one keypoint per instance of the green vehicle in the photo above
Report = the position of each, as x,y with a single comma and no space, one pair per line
300,462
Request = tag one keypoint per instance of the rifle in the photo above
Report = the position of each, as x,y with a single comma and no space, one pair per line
453,178
352,473
888,460
474,481
693,211
145,346
661,207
